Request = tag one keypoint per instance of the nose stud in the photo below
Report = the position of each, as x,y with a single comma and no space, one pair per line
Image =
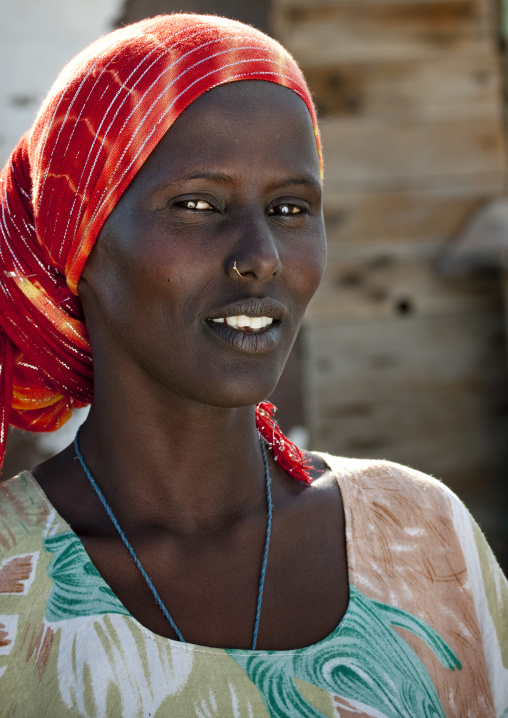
237,270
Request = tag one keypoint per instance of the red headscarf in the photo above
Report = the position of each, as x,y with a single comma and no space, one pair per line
102,118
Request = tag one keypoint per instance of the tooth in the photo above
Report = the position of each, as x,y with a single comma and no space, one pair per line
244,321
218,321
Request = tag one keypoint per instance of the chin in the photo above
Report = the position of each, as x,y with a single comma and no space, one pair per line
237,398
235,392
238,382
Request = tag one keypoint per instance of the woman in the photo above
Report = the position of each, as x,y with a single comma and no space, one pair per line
169,196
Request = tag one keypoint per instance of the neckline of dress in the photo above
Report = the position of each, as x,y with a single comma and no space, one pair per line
174,643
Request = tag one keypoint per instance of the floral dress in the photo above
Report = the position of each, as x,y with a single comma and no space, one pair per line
425,632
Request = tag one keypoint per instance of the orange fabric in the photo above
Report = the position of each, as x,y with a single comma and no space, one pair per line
100,121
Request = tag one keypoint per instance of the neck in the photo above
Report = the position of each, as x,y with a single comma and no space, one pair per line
168,462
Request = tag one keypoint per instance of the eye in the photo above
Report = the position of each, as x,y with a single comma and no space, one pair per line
196,204
286,209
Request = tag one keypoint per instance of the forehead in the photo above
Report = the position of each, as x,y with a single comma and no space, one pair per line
238,127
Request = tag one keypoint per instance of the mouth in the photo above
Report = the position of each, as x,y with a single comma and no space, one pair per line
251,326
244,323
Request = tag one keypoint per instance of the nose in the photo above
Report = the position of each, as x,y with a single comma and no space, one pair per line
255,255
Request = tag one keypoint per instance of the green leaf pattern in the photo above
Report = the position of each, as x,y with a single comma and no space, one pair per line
99,647
77,587
364,661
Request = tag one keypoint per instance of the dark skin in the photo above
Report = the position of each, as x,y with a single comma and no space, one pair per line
225,184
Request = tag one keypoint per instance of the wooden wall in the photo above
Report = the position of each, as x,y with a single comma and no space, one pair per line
400,362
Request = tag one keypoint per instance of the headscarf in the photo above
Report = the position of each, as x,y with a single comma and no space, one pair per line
100,121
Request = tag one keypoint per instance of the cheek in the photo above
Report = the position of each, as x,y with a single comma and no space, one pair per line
305,267
115,290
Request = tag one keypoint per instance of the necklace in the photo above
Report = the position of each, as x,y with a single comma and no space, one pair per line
147,578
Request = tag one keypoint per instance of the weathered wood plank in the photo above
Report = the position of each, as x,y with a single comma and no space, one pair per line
288,4
392,280
404,349
420,90
367,154
430,392
405,216
327,32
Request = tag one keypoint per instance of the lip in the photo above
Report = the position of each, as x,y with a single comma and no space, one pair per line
251,307
259,342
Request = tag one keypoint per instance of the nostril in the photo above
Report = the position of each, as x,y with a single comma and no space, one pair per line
255,265
277,269
255,253
235,268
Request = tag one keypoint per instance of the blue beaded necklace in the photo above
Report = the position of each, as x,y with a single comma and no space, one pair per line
138,562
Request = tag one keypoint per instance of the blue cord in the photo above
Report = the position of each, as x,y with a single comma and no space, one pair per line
267,545
147,578
124,538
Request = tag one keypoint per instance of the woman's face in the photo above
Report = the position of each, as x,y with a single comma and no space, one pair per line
235,182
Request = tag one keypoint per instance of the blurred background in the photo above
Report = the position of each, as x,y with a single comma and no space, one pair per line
403,354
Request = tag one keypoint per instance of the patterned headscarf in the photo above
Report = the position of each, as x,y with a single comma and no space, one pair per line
102,118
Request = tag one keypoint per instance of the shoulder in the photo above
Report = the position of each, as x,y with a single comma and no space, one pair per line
376,481
413,539
25,517
400,521
24,513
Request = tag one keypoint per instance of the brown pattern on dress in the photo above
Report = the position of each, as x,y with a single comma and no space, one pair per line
14,572
18,508
406,554
4,636
40,648
24,636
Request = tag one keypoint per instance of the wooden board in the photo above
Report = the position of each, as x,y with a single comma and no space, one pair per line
423,90
323,32
252,13
404,216
363,154
402,349
365,4
393,280
429,392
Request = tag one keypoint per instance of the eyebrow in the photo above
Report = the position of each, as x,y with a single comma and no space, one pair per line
214,176
225,179
291,181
